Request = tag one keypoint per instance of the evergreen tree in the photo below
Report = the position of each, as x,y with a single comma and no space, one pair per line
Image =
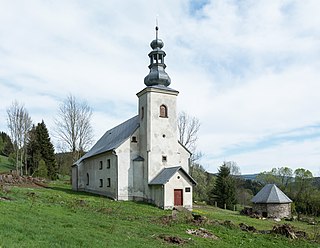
42,169
33,151
224,190
41,148
47,150
6,146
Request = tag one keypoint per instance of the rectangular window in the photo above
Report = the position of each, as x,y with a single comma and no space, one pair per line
164,158
108,163
101,183
188,189
101,165
134,139
108,182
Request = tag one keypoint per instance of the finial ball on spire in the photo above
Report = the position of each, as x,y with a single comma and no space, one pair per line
157,43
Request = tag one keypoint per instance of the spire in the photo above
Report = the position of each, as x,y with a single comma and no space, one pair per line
157,74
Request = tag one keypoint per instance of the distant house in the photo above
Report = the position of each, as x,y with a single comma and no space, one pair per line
141,159
271,202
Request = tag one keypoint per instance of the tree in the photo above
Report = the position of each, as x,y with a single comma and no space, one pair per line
41,148
224,191
73,127
47,150
282,176
42,170
286,175
33,150
6,144
234,168
19,123
205,182
268,177
188,128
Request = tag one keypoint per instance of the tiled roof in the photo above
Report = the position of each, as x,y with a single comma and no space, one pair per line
164,176
271,194
113,138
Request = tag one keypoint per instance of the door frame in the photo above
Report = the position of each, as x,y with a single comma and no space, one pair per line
174,196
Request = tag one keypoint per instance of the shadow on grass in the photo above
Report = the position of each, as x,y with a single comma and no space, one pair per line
83,193
72,192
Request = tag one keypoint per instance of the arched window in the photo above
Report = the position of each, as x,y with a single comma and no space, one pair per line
163,111
87,178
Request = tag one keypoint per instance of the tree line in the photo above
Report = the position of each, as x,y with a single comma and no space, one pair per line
227,188
29,146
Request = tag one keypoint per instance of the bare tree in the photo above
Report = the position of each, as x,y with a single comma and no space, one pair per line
73,127
234,168
188,128
19,124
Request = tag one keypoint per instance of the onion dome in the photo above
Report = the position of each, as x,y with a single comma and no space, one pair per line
157,74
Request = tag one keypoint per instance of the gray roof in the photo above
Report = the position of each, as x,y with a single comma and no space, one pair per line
270,194
113,138
164,176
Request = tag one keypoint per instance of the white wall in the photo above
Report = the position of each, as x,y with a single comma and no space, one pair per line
159,135
126,152
92,167
178,183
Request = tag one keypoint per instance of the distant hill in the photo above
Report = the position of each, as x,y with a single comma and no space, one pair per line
249,176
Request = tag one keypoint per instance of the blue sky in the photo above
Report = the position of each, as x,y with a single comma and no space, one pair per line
249,70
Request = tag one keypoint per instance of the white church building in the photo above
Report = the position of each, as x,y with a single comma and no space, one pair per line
141,159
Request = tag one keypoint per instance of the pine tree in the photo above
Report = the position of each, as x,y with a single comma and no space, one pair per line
6,146
224,190
41,148
42,169
47,150
33,151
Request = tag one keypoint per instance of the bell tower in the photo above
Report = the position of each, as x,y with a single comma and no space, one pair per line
158,116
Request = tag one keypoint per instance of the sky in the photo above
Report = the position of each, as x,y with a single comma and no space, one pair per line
248,70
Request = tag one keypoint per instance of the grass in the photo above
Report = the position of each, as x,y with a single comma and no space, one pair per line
59,217
5,164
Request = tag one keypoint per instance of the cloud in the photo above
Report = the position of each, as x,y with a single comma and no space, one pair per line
248,69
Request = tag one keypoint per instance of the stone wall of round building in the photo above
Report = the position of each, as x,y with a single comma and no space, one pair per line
272,210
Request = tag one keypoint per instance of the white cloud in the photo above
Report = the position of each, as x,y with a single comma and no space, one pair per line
246,69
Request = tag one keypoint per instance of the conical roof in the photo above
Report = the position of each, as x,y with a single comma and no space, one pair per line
270,194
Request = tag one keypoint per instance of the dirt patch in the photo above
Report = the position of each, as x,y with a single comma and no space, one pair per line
3,198
246,228
288,231
199,220
22,181
172,239
202,232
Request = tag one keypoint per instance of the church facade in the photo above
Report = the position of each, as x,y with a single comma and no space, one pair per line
141,159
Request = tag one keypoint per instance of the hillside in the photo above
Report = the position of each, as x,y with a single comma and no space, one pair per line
59,217
5,164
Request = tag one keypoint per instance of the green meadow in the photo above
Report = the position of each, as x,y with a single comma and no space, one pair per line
59,217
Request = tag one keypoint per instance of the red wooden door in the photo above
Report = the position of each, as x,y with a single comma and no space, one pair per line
178,197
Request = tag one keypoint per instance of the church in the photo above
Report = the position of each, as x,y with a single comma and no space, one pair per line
141,159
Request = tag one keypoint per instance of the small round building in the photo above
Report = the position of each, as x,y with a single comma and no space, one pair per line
271,202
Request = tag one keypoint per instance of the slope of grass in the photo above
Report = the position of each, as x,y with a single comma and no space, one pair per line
5,164
59,217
